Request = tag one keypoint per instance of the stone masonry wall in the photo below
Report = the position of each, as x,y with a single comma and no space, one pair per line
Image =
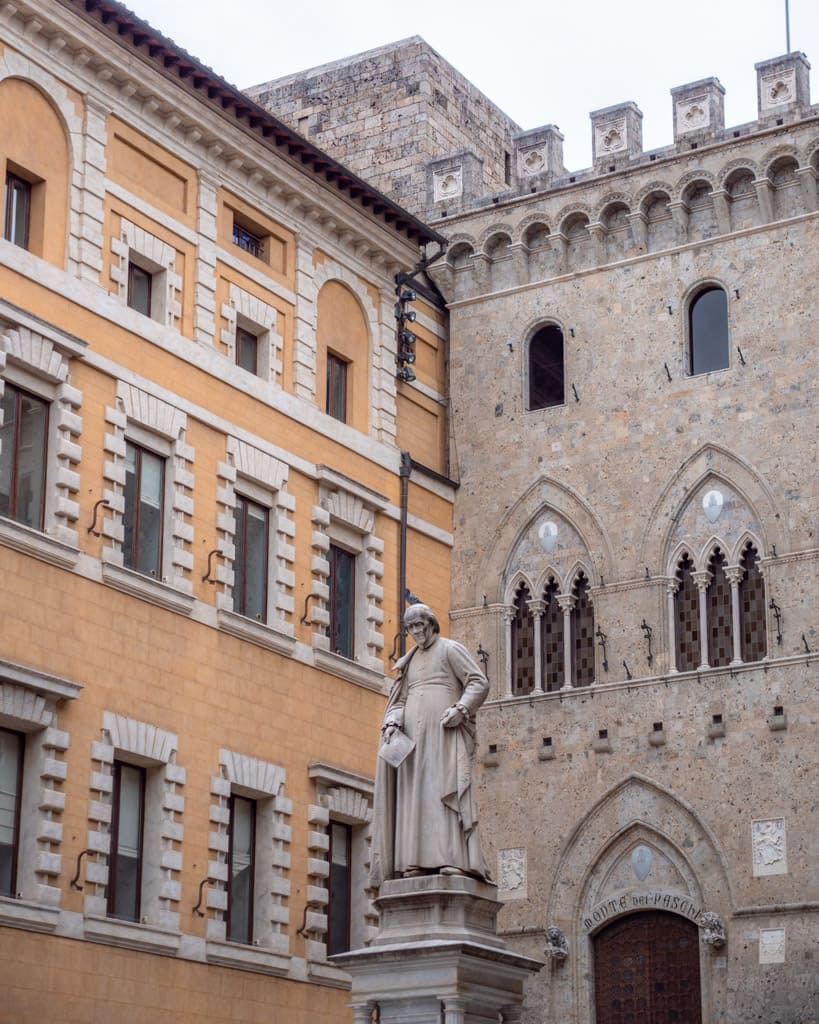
386,113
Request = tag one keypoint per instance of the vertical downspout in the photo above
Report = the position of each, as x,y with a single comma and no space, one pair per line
406,469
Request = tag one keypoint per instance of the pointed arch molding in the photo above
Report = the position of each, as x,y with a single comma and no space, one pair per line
544,494
636,808
718,464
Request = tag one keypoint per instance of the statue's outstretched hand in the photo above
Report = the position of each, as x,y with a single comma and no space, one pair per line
389,731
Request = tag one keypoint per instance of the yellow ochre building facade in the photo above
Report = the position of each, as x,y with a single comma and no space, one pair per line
220,469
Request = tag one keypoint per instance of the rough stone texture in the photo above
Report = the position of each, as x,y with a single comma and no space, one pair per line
677,766
387,112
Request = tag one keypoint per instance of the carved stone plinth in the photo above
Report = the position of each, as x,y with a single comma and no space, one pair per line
437,949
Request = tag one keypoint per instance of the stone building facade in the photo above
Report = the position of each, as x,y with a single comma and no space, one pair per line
633,400
214,490
392,112
636,555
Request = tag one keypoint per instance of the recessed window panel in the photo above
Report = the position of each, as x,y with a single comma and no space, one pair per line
12,745
708,331
338,925
125,868
250,563
342,601
336,387
247,350
17,213
140,283
143,513
23,447
546,370
241,859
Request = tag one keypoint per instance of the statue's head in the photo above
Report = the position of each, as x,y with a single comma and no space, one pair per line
421,624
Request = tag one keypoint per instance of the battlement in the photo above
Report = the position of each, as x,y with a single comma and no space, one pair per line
456,186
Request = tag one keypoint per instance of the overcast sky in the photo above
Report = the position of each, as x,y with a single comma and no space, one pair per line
541,61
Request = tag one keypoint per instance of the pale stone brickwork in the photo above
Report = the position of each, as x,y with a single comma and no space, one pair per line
651,787
387,112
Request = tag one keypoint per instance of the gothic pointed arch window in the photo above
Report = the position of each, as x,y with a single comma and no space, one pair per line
708,331
686,617
546,368
553,649
523,644
753,632
718,608
582,624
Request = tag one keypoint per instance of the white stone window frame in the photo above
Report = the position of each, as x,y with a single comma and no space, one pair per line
138,246
346,797
246,311
154,748
29,704
155,424
263,782
255,474
346,516
41,365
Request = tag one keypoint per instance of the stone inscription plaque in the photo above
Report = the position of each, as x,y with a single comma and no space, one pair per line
768,846
772,946
641,899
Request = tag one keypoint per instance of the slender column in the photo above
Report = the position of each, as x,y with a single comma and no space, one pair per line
560,248
764,196
537,609
671,589
734,573
454,1009
703,579
679,214
723,210
508,619
566,603
639,230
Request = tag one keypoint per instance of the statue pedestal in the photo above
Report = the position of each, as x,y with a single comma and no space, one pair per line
437,950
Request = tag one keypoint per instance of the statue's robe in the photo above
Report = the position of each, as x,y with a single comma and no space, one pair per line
424,814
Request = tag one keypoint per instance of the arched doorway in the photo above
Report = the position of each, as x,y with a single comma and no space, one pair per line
647,970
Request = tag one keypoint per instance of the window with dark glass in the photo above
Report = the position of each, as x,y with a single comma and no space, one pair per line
342,601
142,515
687,617
17,210
553,650
753,631
582,621
546,372
140,284
248,237
23,448
241,868
718,606
523,644
250,563
339,882
12,745
247,350
708,331
127,825
336,387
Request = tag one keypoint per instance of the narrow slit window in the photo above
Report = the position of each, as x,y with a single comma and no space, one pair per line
12,746
241,869
17,213
250,562
336,405
125,865
143,513
338,911
342,601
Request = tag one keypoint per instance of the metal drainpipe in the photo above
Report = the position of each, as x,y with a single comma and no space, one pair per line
406,469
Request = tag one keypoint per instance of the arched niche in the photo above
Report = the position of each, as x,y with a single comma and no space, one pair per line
343,350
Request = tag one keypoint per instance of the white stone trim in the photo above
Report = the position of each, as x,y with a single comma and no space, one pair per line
264,782
345,797
32,361
155,748
265,479
29,704
137,409
135,244
249,312
346,516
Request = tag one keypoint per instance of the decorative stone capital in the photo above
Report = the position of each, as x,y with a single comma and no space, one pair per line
566,602
734,573
702,579
536,606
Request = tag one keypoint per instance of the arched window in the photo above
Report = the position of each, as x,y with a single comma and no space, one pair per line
687,617
753,634
523,644
582,634
546,368
553,651
720,631
708,331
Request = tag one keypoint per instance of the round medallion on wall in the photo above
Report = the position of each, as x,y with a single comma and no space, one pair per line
712,503
548,535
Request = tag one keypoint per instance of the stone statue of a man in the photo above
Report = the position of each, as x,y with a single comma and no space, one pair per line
425,819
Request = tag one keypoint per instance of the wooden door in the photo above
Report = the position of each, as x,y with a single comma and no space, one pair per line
647,970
